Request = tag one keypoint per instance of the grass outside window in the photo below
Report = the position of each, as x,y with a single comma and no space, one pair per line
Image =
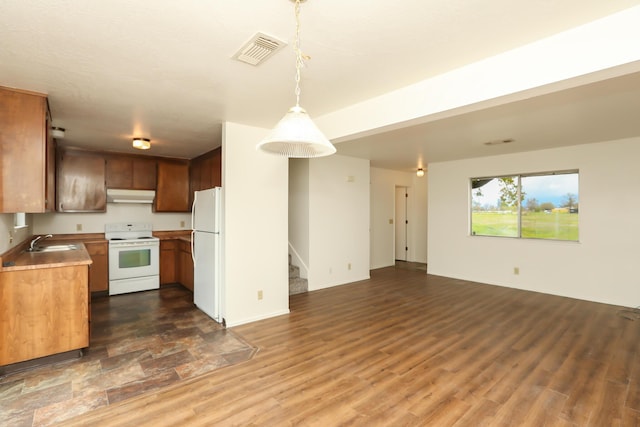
534,206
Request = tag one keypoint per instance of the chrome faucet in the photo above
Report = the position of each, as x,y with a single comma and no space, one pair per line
34,241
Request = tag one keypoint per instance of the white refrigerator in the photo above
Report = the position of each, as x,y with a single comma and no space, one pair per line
206,250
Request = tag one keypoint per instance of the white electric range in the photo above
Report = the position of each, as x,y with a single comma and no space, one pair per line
134,257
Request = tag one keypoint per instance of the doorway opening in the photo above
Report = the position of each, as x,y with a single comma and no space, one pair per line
401,225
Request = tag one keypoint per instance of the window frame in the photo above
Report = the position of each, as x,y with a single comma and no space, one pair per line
20,220
519,208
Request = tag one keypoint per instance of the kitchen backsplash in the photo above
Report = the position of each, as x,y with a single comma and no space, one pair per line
70,223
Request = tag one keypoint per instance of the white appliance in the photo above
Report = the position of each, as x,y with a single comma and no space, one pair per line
116,195
206,250
134,257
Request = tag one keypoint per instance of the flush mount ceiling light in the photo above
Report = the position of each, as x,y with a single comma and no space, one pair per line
296,135
57,132
420,173
141,143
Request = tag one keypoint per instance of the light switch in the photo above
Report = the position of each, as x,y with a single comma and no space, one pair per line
391,221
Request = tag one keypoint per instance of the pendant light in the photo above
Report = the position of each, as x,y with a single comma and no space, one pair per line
296,135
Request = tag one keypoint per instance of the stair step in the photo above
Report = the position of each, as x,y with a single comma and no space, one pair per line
294,271
298,286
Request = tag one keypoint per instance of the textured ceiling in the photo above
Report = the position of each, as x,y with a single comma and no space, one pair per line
162,69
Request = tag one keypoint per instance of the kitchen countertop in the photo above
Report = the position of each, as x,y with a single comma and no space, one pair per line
184,235
22,260
35,260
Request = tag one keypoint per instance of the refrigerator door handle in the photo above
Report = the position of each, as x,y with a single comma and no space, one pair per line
193,248
193,211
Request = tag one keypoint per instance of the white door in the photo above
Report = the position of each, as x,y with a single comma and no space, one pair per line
401,224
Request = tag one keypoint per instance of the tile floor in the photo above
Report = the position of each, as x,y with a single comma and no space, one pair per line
139,342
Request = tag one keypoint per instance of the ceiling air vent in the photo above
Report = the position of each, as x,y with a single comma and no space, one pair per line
499,141
259,48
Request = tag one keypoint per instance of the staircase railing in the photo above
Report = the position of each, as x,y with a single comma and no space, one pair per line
297,260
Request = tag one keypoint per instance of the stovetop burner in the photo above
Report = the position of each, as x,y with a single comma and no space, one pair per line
129,231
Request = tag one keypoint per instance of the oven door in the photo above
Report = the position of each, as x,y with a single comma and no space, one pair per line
133,260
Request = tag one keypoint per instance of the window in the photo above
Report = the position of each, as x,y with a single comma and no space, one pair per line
20,220
532,206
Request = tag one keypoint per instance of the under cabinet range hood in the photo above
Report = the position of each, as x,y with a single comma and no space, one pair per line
117,195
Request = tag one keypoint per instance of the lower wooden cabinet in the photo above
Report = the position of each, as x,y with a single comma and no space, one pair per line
168,258
185,264
176,265
43,312
99,270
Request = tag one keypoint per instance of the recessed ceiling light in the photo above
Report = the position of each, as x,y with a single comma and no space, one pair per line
499,141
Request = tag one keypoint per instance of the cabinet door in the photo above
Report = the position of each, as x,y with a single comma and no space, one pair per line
206,176
119,172
186,265
172,192
168,250
50,171
216,168
131,172
22,152
81,183
99,270
144,174
195,170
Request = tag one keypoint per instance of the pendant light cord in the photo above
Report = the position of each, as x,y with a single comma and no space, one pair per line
298,52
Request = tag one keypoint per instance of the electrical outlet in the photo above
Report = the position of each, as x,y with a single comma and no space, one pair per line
181,224
10,238
260,295
516,270
78,227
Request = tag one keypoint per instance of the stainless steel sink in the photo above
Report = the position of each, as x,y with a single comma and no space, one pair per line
53,248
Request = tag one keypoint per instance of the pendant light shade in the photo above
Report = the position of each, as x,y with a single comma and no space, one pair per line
296,135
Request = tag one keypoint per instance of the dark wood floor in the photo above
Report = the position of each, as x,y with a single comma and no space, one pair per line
140,342
405,348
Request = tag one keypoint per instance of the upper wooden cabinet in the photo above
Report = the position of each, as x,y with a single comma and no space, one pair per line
27,153
206,171
172,191
131,172
81,181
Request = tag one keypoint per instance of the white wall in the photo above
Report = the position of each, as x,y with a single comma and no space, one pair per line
601,267
299,213
255,227
10,237
383,185
338,221
66,223
562,61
